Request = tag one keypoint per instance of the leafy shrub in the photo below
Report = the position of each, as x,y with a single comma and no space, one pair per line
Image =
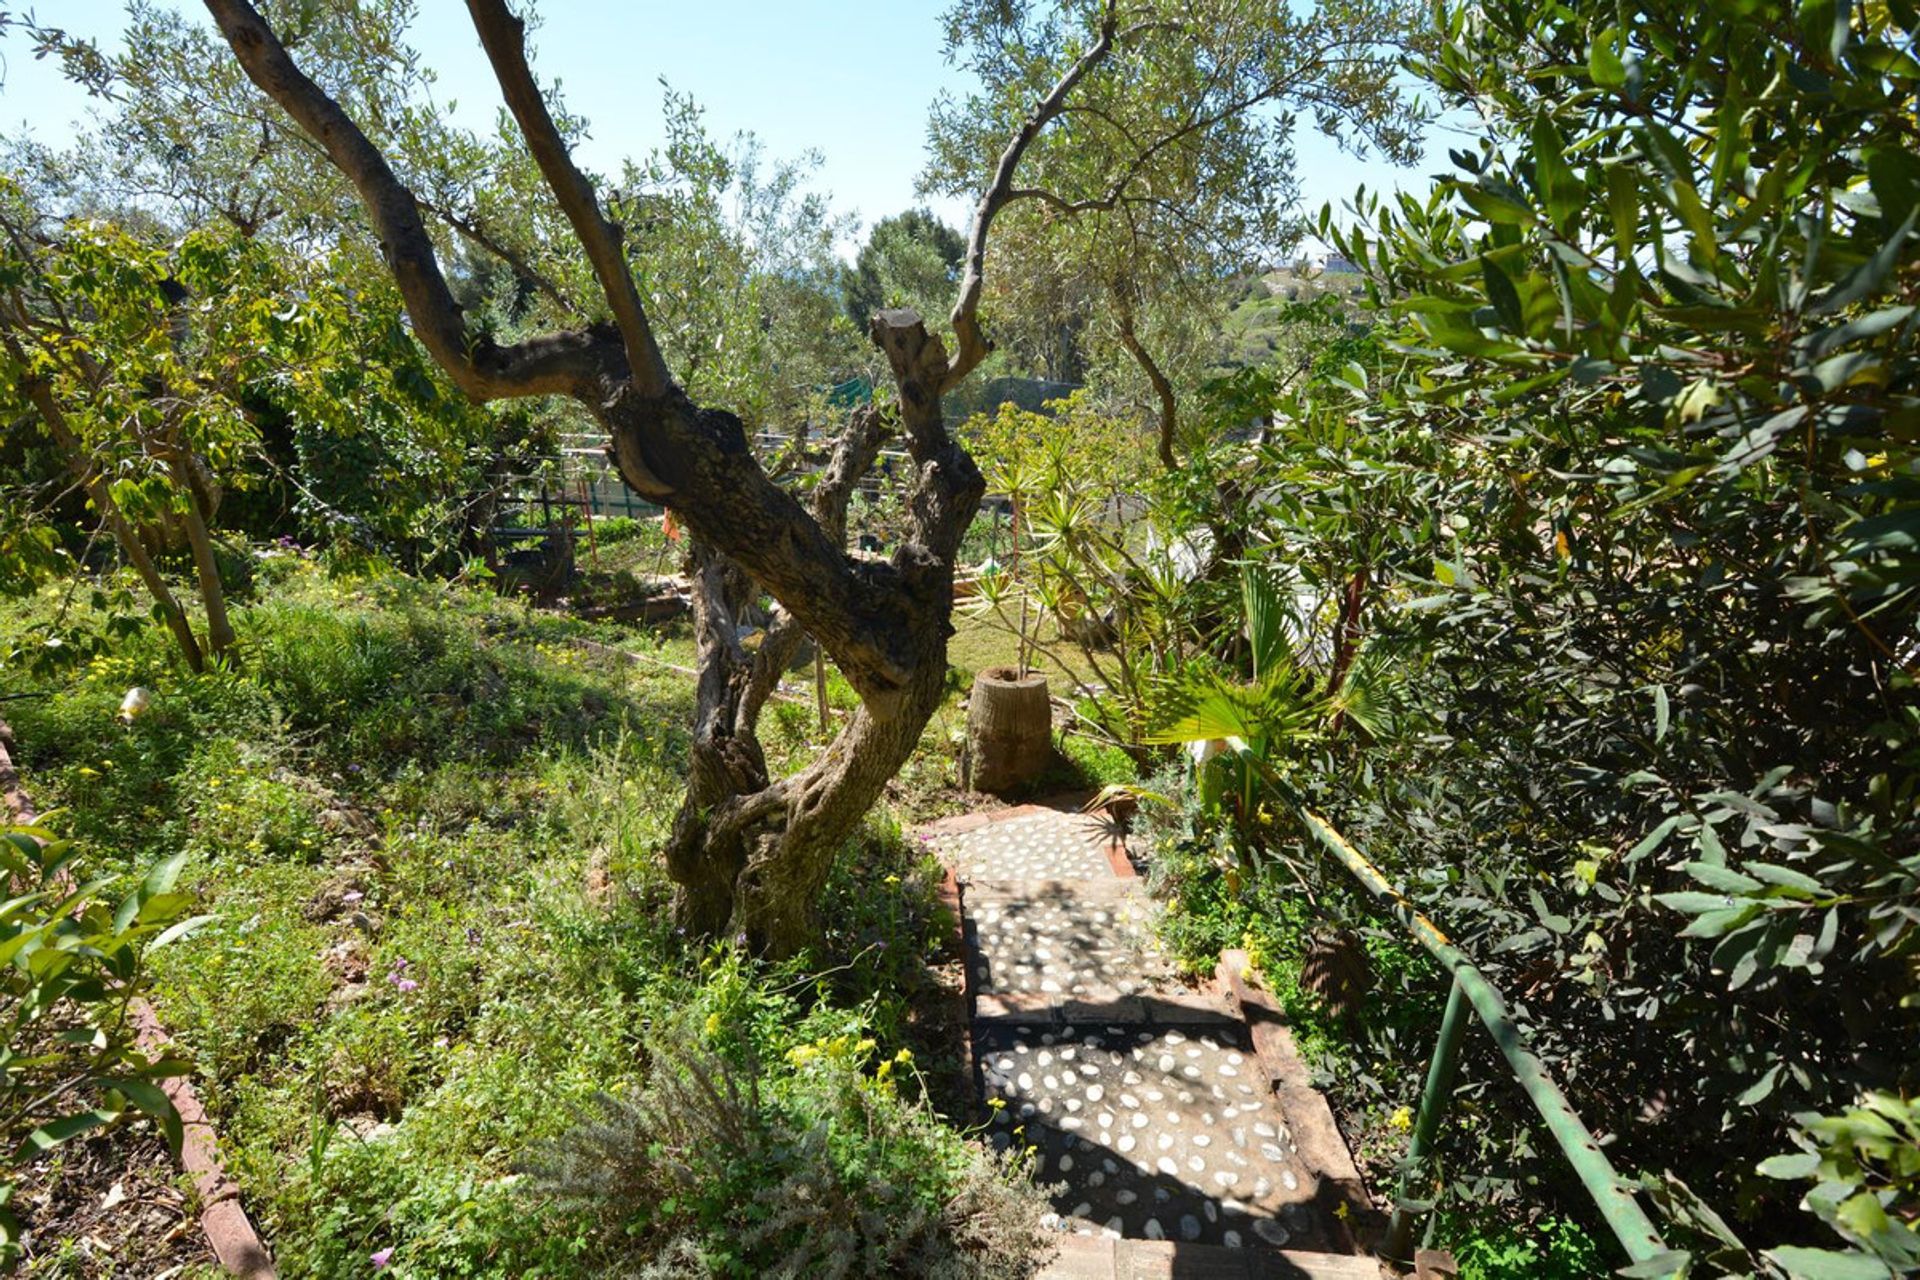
880,924
823,1172
611,531
71,961
1551,1249
1635,507
1865,1167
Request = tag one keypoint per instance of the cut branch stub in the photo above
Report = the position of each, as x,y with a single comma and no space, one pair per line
1009,730
919,363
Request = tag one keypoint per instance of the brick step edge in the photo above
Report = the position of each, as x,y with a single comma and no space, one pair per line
1106,1258
1315,1132
228,1229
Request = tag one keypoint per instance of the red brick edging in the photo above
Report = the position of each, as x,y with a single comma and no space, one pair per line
1315,1132
228,1229
957,939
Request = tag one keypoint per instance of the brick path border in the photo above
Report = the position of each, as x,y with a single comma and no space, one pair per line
1315,1132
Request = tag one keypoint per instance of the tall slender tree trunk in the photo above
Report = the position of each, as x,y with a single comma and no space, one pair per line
1169,415
137,555
122,529
206,566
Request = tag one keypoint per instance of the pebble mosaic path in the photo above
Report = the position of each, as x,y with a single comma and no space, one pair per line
1143,1098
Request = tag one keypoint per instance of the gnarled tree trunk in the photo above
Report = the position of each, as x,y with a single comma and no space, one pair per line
747,852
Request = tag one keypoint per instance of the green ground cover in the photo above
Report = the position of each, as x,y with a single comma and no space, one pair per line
423,820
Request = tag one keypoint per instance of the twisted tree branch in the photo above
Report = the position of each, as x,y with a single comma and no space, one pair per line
565,363
972,345
503,36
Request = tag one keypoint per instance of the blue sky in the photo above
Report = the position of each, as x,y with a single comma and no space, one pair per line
850,79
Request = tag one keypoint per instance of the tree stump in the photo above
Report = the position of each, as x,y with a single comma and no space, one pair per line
1009,730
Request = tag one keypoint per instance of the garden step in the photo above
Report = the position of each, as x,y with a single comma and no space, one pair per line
1099,1258
1047,951
1152,1117
1155,1133
1047,845
1108,890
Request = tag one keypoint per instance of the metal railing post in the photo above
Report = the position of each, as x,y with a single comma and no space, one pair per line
1612,1196
1433,1104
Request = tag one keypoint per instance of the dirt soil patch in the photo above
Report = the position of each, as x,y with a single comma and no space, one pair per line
111,1208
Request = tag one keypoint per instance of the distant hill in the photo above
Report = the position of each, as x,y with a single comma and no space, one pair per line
1252,332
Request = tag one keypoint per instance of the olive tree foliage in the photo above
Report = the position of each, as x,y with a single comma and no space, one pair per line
749,852
1172,171
1650,580
81,60
911,259
737,261
179,137
733,255
181,147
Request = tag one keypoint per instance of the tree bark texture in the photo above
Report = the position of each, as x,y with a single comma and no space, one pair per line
748,854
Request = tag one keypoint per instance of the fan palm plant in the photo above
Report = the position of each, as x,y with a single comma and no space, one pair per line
1246,735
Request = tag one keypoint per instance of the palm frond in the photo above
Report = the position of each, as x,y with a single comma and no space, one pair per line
1267,607
1372,696
1196,705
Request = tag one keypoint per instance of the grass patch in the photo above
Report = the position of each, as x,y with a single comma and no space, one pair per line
426,824
982,640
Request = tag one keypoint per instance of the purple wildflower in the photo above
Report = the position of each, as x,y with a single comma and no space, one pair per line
380,1257
399,977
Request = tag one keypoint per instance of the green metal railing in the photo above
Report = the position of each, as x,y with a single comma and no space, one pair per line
1471,990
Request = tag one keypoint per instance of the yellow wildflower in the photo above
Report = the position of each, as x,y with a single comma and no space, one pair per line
1401,1119
713,1025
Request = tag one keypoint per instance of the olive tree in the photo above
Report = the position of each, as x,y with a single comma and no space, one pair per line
1173,174
750,852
